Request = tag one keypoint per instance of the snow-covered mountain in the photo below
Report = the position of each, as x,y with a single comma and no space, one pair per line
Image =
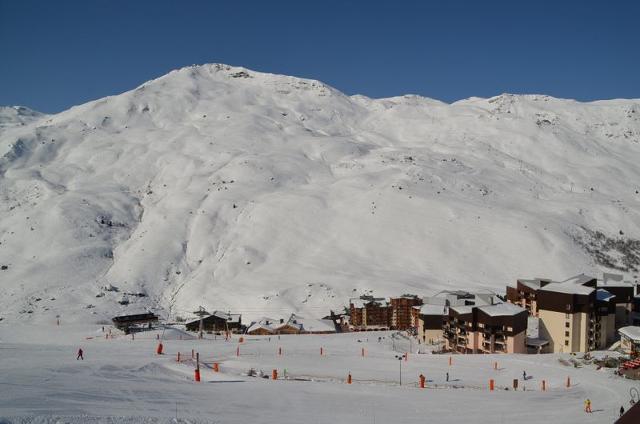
13,116
267,194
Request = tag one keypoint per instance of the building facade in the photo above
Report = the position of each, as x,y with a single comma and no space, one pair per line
401,311
497,328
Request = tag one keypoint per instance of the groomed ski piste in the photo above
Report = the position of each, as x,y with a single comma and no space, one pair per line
123,380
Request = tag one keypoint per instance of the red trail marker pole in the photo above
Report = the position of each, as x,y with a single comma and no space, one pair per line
197,373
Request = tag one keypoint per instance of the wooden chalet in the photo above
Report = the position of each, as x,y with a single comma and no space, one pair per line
127,323
217,322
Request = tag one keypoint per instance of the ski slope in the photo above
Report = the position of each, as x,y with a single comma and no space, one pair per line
267,194
123,381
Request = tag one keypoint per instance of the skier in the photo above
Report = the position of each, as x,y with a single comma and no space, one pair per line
80,355
587,406
524,375
621,410
447,376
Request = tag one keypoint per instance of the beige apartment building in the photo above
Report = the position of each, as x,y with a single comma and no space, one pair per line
430,321
575,316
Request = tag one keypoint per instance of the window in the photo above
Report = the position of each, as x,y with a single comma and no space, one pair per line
566,334
566,316
568,306
567,325
509,328
566,342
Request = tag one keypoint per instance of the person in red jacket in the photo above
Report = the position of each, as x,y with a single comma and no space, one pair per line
80,355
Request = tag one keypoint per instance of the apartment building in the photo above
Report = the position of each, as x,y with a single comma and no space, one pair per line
402,317
624,292
429,322
525,294
369,313
575,316
493,328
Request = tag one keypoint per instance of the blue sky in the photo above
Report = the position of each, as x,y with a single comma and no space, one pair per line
55,54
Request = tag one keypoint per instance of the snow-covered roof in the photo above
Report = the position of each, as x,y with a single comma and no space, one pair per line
615,283
604,295
227,316
357,303
435,300
462,309
579,279
312,325
568,288
501,309
630,331
258,326
433,310
532,284
486,299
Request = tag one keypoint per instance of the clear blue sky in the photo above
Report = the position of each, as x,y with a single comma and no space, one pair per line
55,54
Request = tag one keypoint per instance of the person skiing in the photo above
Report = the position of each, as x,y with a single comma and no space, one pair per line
587,406
447,376
524,375
80,355
621,410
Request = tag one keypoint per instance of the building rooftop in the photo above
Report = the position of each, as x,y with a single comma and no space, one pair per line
569,288
630,331
501,309
604,295
534,283
311,325
579,279
462,309
433,309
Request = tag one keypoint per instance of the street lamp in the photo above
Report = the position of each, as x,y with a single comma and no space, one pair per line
400,358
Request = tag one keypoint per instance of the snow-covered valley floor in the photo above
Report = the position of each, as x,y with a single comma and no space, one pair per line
124,381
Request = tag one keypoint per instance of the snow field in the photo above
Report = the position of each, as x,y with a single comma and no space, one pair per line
122,378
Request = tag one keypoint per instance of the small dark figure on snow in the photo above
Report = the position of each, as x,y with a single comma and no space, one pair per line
524,375
80,355
447,376
621,410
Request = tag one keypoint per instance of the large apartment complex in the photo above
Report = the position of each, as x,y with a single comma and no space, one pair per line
371,313
578,314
